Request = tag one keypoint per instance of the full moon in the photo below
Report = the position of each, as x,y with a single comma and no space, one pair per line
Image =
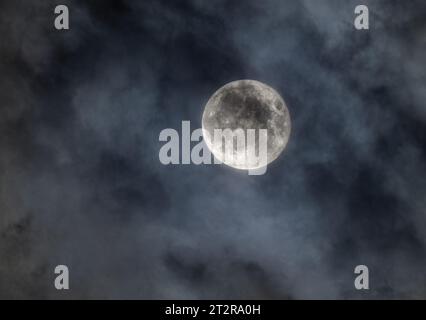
247,104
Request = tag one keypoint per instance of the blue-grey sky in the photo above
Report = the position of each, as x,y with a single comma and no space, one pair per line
81,183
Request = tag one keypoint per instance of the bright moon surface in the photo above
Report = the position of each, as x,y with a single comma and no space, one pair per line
247,104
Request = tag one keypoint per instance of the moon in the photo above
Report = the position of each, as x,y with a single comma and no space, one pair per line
247,104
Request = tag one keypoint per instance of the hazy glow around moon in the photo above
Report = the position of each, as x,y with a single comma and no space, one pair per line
247,104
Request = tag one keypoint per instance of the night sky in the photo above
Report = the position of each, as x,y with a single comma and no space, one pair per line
81,183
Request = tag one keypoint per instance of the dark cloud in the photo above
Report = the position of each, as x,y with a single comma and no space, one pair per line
81,183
